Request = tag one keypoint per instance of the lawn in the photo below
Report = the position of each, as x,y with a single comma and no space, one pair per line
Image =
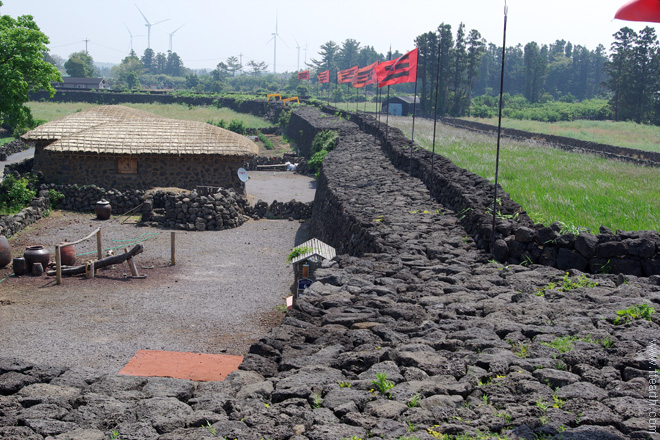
5,140
50,111
621,134
551,184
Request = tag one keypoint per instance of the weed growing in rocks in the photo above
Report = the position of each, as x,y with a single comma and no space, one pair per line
542,405
558,403
114,435
382,384
521,349
567,284
637,311
414,401
316,400
212,429
480,435
344,384
564,344
411,426
508,418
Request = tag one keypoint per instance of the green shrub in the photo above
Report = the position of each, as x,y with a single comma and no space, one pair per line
315,162
237,126
284,118
55,198
324,140
15,194
267,143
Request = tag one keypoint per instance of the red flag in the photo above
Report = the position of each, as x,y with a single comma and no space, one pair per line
324,76
402,70
640,10
303,75
346,76
365,76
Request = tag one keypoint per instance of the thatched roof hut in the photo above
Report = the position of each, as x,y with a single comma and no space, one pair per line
120,147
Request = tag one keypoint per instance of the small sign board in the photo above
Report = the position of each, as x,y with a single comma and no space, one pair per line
243,175
303,284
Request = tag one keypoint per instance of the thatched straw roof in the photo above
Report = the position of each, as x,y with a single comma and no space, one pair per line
80,121
115,129
156,136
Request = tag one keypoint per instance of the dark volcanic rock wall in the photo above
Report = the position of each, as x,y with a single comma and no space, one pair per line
518,240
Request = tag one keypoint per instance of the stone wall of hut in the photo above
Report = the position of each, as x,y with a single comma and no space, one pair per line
187,172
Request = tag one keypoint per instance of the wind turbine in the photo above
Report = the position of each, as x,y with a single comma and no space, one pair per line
298,47
148,25
172,33
132,36
274,40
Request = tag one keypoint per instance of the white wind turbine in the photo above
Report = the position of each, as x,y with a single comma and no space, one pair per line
132,36
297,47
148,25
172,33
274,40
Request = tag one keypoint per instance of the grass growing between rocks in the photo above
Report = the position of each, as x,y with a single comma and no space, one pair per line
50,111
620,134
551,184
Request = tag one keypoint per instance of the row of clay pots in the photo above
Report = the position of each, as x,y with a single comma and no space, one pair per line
33,255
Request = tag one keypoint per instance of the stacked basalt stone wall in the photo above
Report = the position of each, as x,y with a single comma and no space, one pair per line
11,224
13,147
517,238
263,108
83,198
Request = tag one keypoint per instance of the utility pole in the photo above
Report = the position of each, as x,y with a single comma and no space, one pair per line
86,40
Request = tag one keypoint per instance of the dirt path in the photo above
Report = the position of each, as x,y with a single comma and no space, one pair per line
222,295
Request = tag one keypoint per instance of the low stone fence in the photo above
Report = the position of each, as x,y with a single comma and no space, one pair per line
13,147
518,239
11,224
253,164
642,157
257,107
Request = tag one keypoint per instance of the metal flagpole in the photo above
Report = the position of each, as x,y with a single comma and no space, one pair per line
387,115
499,132
412,140
435,118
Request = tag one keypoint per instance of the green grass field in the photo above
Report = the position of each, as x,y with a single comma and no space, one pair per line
552,184
621,134
5,140
50,111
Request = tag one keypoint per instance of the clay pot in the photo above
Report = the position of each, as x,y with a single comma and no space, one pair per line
37,269
67,254
103,209
20,266
5,251
36,254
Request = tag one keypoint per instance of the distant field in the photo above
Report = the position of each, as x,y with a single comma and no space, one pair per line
552,184
621,134
51,111
5,140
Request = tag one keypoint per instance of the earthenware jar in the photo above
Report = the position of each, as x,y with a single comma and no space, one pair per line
36,254
103,209
37,269
5,251
67,254
20,266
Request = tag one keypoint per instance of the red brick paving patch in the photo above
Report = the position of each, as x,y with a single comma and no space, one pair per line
181,365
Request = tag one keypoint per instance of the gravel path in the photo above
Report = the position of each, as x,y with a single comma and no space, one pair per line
222,295
281,186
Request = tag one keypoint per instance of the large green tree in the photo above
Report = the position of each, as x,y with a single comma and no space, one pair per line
80,65
22,69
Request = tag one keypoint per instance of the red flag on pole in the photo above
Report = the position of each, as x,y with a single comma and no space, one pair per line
323,77
365,76
640,10
303,75
346,76
402,70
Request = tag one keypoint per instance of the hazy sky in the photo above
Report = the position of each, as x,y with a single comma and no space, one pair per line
215,30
